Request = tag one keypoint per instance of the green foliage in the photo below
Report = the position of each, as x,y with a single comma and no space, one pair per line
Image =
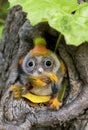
4,6
66,16
1,29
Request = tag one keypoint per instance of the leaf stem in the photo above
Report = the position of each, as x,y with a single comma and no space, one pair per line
62,91
58,41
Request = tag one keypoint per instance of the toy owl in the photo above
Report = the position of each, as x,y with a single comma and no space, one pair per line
41,74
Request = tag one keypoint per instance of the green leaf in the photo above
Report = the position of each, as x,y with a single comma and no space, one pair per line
66,16
73,27
41,10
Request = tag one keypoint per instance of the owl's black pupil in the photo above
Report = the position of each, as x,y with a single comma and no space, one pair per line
30,64
48,63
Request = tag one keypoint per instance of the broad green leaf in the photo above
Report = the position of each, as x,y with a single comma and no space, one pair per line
66,16
40,10
74,27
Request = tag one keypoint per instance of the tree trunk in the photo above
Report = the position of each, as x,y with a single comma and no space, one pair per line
15,114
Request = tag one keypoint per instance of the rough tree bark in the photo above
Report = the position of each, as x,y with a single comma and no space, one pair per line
17,114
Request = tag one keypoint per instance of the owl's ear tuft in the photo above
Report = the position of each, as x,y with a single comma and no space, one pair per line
40,41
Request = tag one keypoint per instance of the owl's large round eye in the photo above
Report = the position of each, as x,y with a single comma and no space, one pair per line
31,64
48,63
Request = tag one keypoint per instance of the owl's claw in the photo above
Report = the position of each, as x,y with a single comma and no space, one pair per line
55,104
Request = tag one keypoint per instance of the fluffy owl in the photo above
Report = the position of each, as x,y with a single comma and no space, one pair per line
42,75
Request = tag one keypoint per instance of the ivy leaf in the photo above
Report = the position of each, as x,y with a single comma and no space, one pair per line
67,17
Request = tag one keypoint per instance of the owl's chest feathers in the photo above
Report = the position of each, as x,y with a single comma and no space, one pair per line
45,90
